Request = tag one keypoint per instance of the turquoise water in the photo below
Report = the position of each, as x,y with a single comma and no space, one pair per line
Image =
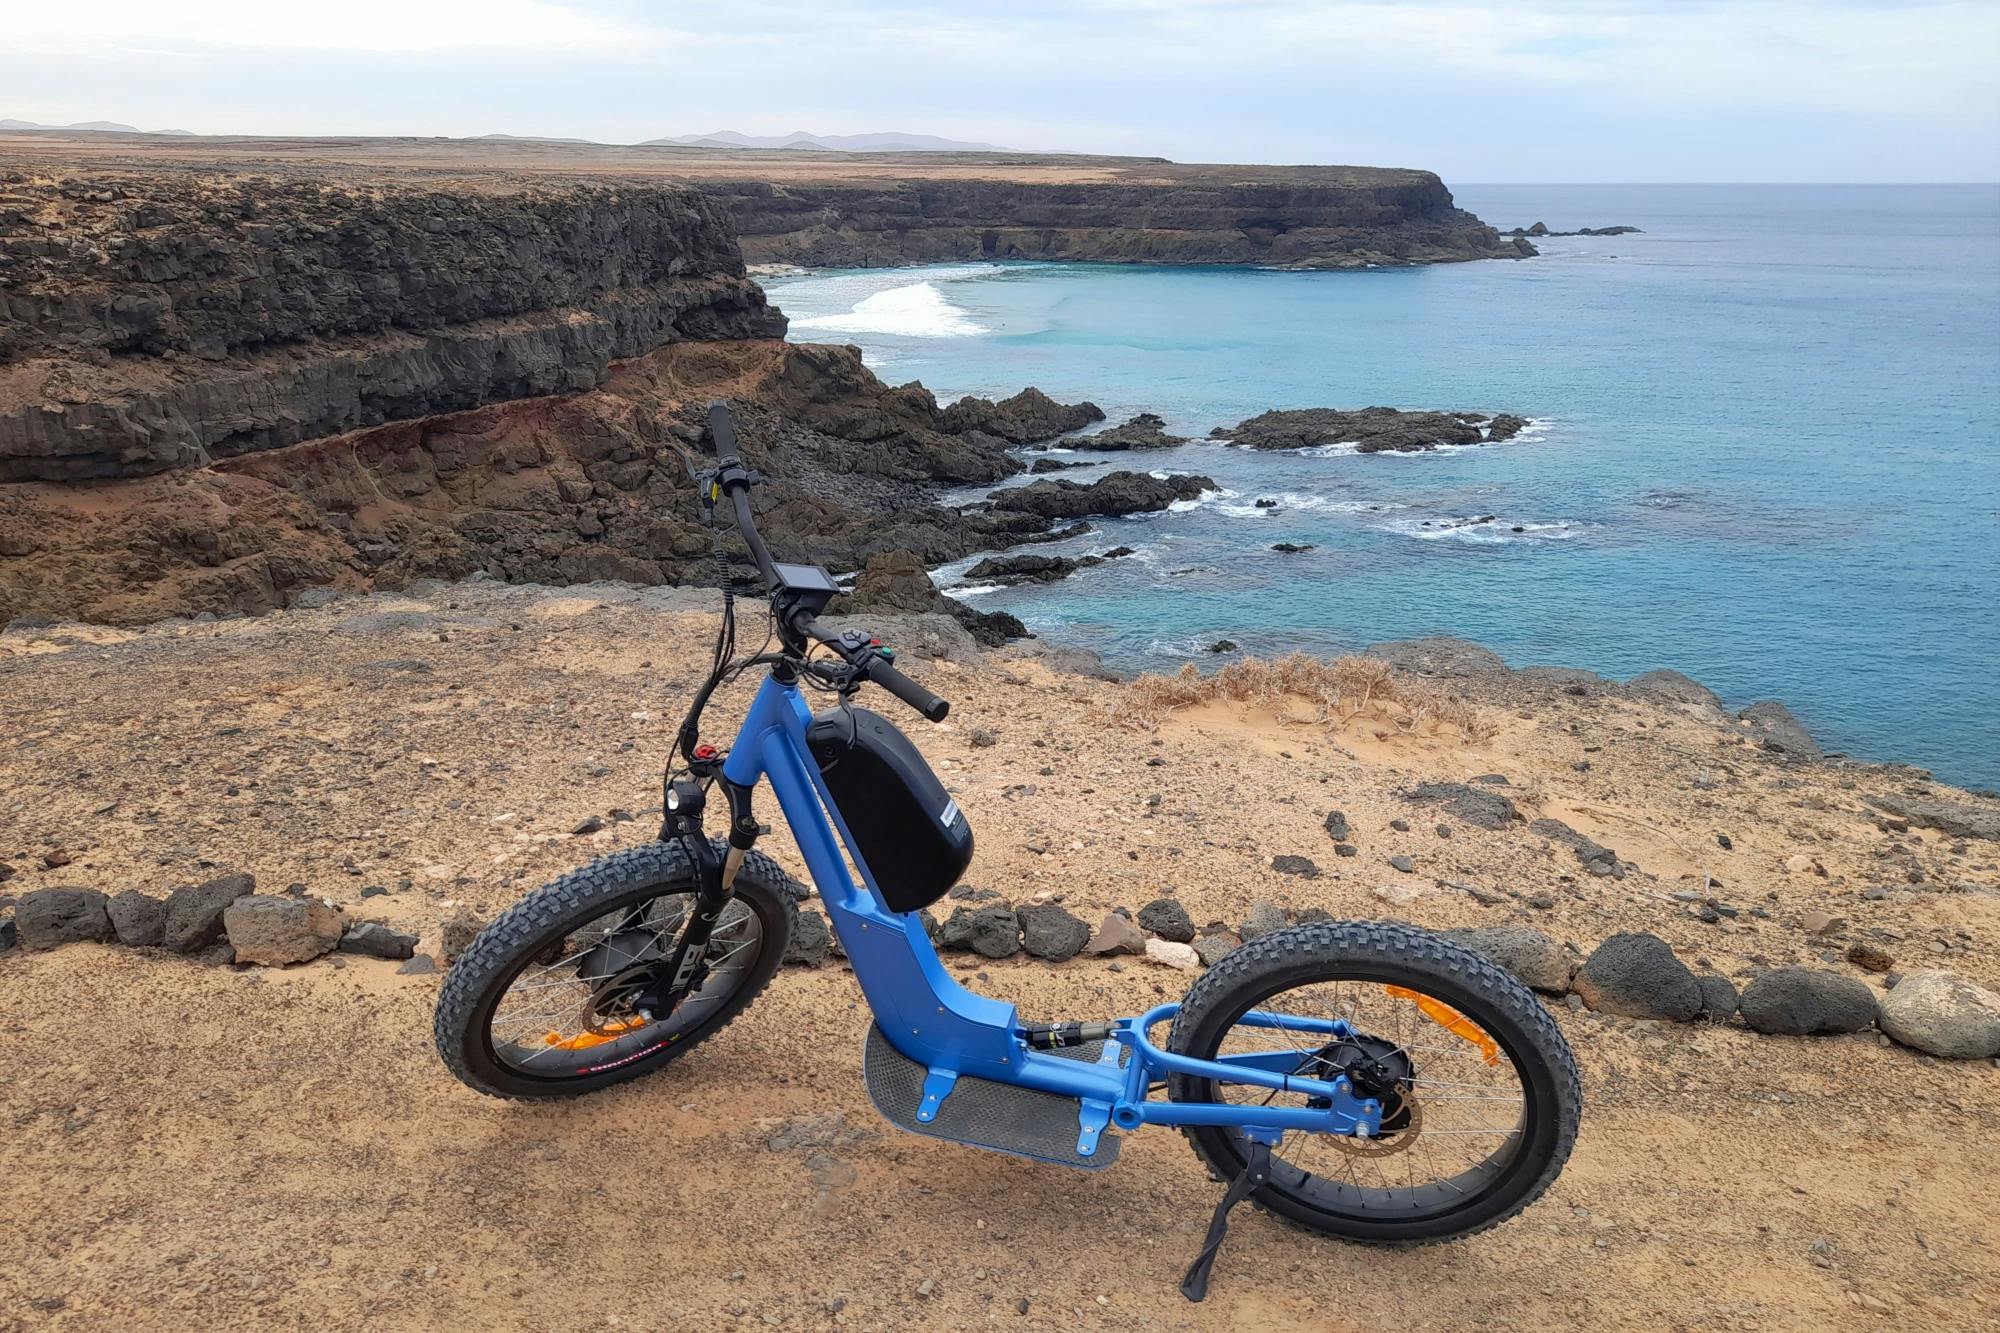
1766,449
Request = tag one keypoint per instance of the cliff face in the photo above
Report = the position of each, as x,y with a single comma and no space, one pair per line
1167,216
148,323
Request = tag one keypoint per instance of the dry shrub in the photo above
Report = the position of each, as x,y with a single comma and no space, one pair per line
1334,692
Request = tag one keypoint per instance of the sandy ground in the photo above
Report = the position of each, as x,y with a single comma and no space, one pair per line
204,1146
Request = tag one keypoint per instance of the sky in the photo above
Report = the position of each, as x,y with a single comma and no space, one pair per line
1531,91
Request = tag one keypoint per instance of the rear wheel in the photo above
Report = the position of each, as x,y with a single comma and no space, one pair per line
548,1000
1479,1090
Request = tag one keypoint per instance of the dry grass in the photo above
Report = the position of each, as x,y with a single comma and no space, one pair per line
1333,693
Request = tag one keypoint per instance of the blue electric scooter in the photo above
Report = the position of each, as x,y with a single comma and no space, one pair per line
1364,1080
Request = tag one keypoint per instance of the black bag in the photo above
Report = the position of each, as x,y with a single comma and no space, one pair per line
906,828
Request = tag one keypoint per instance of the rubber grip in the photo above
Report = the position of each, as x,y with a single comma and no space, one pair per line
916,696
722,430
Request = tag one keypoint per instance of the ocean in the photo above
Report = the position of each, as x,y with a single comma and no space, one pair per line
1765,450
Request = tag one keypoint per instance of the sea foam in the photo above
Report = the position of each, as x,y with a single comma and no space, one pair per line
919,310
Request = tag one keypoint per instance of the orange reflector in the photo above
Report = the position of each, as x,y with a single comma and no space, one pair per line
583,1041
1452,1021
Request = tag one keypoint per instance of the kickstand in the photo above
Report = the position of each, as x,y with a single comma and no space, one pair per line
1256,1171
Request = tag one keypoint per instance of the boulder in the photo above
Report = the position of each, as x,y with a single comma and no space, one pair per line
1166,918
1262,918
1145,431
1051,933
1215,946
990,932
1369,430
807,946
1116,494
1803,1002
1480,806
1637,975
1941,1014
1532,956
1029,417
457,935
1718,997
1774,727
139,919
46,918
194,913
274,931
372,939
1116,934
1170,953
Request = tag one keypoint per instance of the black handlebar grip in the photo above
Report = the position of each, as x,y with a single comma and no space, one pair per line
916,696
723,431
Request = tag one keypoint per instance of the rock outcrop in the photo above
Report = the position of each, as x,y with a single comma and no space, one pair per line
1370,430
868,212
148,322
1113,495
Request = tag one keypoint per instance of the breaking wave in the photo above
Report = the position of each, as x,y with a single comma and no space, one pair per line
1484,531
919,310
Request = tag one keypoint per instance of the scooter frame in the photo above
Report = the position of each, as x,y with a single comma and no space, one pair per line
955,1032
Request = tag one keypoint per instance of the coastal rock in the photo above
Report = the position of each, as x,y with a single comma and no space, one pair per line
1954,819
896,581
1114,495
1774,727
1800,1002
1029,417
46,918
1370,429
1439,657
1169,920
275,931
1051,933
194,914
1671,687
139,919
1637,975
1014,569
1944,1015
1145,431
1529,954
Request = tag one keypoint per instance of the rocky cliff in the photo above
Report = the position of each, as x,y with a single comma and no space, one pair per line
147,322
1162,214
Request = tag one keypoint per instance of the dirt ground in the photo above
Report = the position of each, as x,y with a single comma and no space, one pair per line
190,1145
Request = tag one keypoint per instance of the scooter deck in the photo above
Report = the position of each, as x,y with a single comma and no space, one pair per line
1025,1122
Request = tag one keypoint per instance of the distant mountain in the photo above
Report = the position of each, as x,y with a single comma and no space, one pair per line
534,138
95,126
888,142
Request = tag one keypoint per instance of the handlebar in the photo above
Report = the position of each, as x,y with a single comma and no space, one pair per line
866,656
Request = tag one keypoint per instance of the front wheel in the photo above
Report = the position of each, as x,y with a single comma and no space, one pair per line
1479,1090
547,1001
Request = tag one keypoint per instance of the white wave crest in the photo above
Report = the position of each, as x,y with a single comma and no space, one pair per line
1485,531
1297,502
974,589
919,310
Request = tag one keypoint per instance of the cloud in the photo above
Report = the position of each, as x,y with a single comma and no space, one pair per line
382,26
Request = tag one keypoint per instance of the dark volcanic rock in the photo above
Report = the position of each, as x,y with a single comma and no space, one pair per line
1669,686
1439,657
139,919
1718,997
810,936
1956,819
1038,568
1295,865
194,914
180,319
46,918
991,932
1801,1002
1145,431
372,939
1042,466
1481,806
1778,731
1029,417
1638,976
897,582
1050,933
1597,858
1113,495
1536,959
1370,429
1169,920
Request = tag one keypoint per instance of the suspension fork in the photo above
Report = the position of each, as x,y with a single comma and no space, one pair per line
715,881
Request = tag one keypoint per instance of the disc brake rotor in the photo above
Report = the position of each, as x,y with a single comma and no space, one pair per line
1385,1145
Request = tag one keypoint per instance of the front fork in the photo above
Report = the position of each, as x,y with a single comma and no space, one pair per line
715,881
